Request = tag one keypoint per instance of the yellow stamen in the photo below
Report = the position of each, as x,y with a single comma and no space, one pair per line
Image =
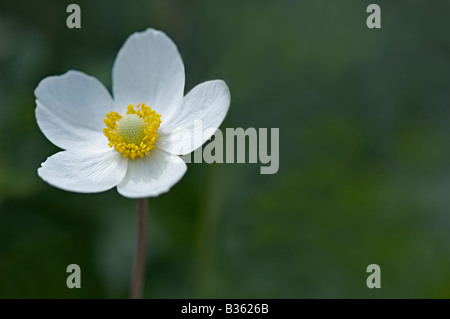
134,133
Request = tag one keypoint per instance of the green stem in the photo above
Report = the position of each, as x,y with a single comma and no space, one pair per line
137,282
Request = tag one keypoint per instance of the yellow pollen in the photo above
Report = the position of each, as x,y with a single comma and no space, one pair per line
134,133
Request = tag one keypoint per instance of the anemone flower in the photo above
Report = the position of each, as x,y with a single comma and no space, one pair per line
127,139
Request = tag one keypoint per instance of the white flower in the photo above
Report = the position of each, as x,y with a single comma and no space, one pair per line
125,140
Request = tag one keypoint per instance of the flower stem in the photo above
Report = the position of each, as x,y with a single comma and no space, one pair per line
139,263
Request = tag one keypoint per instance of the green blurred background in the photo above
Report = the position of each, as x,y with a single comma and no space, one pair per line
364,155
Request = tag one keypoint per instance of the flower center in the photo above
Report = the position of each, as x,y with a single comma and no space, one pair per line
134,133
131,129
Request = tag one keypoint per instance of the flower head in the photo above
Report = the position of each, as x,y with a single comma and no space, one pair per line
127,140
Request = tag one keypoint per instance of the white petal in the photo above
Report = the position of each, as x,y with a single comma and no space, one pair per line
152,175
202,111
84,172
148,69
70,110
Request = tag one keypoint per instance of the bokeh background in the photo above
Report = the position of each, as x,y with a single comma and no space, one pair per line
364,153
